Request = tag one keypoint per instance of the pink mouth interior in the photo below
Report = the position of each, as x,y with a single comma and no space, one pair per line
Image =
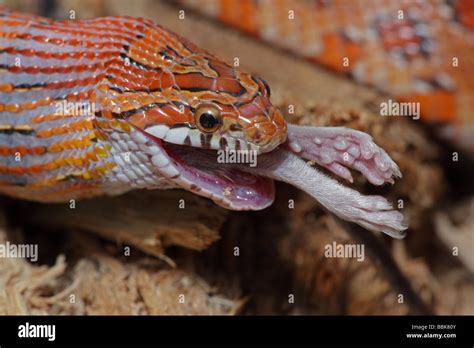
234,188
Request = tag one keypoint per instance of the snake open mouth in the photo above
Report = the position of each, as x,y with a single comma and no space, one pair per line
198,170
226,184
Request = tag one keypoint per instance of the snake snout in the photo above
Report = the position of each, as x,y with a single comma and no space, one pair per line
268,131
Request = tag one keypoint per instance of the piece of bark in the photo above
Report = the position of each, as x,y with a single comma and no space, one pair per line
147,220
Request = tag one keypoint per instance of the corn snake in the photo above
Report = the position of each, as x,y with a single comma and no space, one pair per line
157,108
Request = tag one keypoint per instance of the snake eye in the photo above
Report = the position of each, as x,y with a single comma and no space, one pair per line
208,118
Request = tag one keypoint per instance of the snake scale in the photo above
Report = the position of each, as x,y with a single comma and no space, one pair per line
107,105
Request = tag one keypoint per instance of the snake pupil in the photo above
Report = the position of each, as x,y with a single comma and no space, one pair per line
208,120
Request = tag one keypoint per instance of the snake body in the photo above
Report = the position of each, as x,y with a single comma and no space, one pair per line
106,105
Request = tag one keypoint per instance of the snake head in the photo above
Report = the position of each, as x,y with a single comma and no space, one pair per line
188,104
196,99
249,123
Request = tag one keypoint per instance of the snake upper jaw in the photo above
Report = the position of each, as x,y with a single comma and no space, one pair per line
195,138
